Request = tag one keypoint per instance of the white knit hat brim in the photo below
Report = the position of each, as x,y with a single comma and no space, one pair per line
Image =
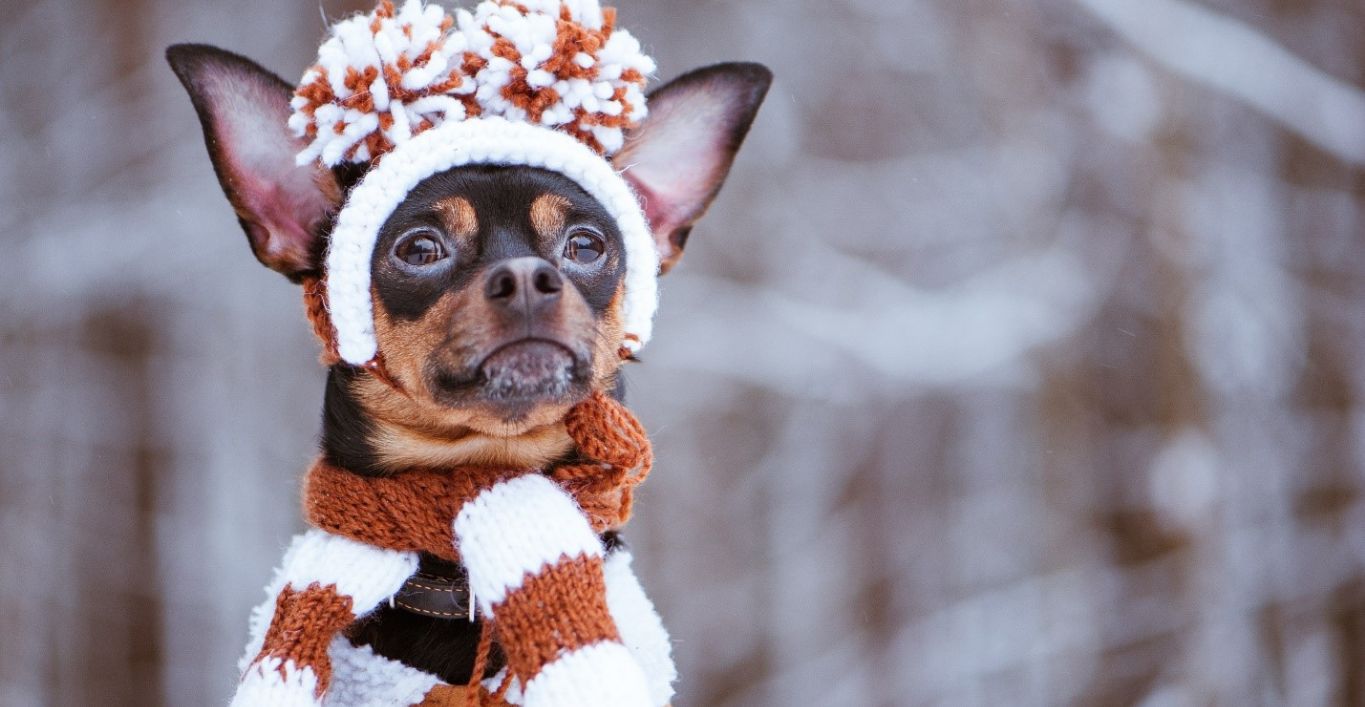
479,141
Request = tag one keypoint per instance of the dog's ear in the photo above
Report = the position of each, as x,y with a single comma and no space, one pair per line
678,157
244,108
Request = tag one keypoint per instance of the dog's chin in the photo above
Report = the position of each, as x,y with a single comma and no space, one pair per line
515,380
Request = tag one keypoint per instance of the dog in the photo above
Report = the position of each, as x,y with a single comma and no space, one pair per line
497,289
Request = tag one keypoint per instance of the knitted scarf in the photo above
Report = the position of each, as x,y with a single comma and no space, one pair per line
573,623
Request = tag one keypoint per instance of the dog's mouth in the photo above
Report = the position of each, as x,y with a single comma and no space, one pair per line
531,368
516,376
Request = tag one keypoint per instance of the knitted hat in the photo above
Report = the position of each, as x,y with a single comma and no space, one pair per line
414,91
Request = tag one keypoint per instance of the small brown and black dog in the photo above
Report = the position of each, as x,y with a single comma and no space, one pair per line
497,289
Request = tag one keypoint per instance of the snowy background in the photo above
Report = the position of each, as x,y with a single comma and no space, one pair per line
1022,360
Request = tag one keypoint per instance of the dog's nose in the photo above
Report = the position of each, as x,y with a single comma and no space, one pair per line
523,283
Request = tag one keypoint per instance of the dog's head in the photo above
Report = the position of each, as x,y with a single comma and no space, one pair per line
497,289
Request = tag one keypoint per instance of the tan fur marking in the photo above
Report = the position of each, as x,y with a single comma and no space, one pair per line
461,220
415,430
606,357
398,448
548,213
406,344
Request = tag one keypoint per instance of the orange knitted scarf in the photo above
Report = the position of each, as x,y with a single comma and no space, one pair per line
413,510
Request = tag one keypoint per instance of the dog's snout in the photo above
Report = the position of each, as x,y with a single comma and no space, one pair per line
523,282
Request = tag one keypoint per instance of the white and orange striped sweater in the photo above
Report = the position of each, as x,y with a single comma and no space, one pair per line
571,619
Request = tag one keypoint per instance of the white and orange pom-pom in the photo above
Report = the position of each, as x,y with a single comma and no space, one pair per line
558,63
380,79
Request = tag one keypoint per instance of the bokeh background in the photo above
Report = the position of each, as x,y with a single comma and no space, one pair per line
1022,360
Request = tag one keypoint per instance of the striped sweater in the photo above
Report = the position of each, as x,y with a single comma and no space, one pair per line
573,622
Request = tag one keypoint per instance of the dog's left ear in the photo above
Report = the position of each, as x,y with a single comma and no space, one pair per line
679,156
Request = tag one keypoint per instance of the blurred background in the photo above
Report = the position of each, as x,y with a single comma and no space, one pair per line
1021,361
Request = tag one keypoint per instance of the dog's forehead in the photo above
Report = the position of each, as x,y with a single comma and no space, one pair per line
488,194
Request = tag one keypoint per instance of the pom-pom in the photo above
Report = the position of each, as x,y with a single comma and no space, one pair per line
380,79
559,63
383,77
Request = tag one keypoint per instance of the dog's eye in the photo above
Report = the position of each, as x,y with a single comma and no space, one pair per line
584,247
419,248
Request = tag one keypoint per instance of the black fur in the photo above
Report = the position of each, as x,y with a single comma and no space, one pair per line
345,428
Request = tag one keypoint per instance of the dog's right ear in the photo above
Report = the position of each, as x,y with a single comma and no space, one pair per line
283,207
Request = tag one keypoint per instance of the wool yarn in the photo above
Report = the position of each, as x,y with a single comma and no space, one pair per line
386,76
315,308
572,620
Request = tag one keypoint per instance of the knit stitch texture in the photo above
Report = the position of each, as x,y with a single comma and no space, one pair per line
573,623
